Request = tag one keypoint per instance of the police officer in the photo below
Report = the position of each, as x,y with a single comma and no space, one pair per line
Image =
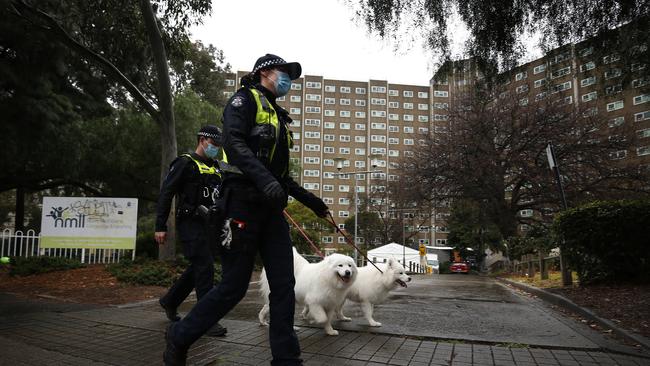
257,143
195,180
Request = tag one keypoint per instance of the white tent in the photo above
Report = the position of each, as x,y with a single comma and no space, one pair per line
395,251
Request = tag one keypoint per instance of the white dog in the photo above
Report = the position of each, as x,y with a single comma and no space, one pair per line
320,287
372,287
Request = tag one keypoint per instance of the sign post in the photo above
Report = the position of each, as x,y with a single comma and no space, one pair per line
552,162
89,223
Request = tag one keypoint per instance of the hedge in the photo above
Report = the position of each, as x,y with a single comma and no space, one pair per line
607,241
25,266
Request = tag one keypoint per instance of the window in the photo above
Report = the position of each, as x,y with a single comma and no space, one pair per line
393,117
294,110
441,93
440,117
559,58
344,138
521,75
360,127
407,93
344,188
393,93
611,58
378,89
589,96
359,151
360,114
393,104
588,81
360,138
393,141
539,83
614,106
526,213
312,147
313,84
637,67
637,83
360,90
540,96
328,188
230,82
312,122
344,114
330,88
408,117
295,123
588,66
312,97
408,129
586,51
360,102
328,137
330,100
330,113
408,105
229,94
644,150
612,73
423,94
614,89
645,133
375,113
312,173
344,150
522,88
561,72
423,107
312,135
441,105
327,239
393,153
378,138
378,150
640,99
345,89
539,68
642,116
311,109
523,101
423,130
295,86
621,154
378,101
329,125
360,164
423,118
615,122
344,201
561,87
344,126
408,141
312,186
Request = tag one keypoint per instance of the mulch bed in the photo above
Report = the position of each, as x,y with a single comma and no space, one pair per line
626,305
89,285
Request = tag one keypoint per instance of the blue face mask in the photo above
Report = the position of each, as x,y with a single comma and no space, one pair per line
211,151
282,83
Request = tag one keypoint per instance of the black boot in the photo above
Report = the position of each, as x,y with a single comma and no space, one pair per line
217,331
173,355
170,312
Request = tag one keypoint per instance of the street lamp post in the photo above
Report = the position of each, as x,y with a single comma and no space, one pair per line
339,166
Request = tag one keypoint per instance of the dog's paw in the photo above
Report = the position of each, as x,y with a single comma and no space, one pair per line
375,324
345,319
264,324
332,332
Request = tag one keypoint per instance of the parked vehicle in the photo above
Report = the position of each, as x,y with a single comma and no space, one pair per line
459,267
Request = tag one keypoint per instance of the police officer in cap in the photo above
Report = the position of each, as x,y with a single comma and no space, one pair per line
194,179
256,144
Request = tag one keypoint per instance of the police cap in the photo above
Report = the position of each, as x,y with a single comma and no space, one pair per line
270,61
210,131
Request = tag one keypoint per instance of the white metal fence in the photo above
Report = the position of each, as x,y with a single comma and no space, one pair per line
19,244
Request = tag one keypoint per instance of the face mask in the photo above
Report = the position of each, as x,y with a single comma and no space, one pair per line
211,151
282,83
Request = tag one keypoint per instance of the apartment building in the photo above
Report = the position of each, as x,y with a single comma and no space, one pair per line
370,126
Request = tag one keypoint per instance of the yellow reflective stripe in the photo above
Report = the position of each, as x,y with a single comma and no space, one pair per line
203,168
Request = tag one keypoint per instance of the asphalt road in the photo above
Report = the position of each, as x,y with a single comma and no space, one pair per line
461,307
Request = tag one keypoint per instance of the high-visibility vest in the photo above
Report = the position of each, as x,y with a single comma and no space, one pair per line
266,114
204,168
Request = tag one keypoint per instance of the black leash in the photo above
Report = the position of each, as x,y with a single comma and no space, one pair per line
347,239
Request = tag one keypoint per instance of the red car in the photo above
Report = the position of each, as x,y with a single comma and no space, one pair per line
459,267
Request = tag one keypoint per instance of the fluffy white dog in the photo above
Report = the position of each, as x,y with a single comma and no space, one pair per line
320,287
372,287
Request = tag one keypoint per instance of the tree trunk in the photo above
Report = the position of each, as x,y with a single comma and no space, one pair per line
19,220
166,116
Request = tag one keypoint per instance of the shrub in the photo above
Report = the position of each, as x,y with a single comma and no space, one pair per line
149,272
444,267
607,241
24,266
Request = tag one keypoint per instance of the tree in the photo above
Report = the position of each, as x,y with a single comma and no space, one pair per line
497,28
369,227
493,152
108,41
469,227
311,225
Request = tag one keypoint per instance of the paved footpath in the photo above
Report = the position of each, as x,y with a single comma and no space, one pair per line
72,335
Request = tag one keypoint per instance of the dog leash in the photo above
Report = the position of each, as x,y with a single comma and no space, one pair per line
311,243
347,239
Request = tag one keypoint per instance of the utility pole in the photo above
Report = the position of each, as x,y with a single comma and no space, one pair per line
552,162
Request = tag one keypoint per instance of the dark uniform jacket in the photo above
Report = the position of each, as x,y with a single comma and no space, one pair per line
238,120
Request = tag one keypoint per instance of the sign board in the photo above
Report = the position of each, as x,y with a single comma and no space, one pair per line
89,222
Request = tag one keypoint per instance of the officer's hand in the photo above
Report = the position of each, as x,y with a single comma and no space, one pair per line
161,237
274,193
319,207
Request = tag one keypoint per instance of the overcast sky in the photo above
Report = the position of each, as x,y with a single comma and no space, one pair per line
321,35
